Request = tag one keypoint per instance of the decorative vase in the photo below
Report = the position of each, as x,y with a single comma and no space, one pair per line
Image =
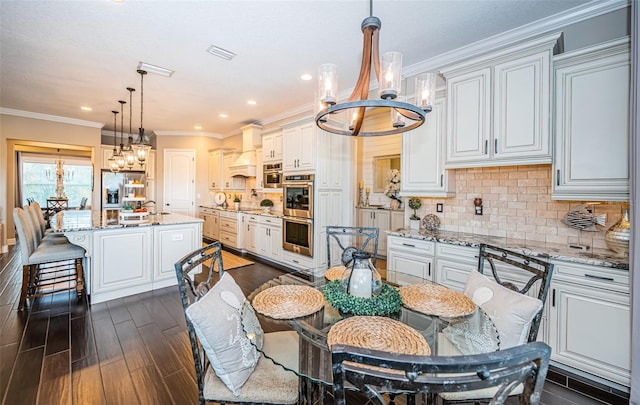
617,237
414,224
395,204
360,277
237,206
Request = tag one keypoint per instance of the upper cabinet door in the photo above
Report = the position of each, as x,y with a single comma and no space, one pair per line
521,109
469,119
272,147
422,159
591,156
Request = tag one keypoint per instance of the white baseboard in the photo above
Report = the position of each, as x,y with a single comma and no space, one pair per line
5,249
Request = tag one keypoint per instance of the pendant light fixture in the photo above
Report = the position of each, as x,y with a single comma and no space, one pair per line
113,163
121,159
129,156
388,70
142,146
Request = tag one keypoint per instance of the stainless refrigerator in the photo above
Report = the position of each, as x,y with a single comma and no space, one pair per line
112,187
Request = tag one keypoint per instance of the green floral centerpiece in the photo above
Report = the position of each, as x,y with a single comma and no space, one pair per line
266,204
387,302
414,204
393,188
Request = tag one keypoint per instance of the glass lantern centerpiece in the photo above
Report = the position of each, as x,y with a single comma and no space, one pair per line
360,278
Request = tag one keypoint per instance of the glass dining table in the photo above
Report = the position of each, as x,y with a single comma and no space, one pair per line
445,336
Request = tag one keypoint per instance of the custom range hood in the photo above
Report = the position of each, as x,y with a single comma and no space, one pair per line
245,165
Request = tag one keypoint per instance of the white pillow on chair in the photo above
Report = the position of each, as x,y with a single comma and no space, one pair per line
217,320
509,310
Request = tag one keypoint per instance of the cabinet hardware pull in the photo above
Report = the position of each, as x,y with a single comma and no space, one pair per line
486,146
429,269
598,277
441,180
408,244
295,261
553,297
558,177
495,146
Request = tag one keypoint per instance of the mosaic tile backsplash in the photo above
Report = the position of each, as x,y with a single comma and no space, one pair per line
516,204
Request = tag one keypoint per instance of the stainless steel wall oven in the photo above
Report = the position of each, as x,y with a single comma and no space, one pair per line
297,223
272,175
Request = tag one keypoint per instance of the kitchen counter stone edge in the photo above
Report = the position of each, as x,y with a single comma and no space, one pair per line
552,251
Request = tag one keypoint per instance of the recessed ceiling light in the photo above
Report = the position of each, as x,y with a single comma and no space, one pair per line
220,52
155,69
252,102
198,127
306,76
223,115
83,108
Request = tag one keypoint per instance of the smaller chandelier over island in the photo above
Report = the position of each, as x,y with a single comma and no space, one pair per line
388,70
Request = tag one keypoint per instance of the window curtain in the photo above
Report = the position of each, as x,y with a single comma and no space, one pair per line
19,200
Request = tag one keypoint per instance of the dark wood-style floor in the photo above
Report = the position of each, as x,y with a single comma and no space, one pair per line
133,350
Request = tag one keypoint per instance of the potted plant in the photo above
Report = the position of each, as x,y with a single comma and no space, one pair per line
414,219
236,201
266,204
126,207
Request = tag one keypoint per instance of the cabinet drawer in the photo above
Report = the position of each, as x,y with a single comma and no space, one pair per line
228,224
594,276
227,238
418,246
233,215
205,210
297,261
457,252
271,221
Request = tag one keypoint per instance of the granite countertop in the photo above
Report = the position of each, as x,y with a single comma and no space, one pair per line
85,220
252,211
595,257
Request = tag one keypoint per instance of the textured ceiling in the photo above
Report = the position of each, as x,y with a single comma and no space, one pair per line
57,56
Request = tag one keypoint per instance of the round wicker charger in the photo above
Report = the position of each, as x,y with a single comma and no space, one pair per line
434,299
334,273
378,333
288,301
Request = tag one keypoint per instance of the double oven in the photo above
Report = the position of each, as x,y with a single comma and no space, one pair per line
297,222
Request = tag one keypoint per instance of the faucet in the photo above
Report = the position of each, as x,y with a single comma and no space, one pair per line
149,201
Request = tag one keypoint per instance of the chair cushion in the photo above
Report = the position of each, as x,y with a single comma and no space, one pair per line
269,384
510,311
216,318
54,252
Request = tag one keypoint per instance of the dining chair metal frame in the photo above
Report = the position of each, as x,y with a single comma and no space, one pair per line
411,374
351,233
190,292
540,270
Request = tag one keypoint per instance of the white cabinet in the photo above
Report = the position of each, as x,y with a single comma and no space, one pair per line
170,244
590,320
422,159
272,147
298,148
259,171
228,229
219,174
453,264
269,237
375,218
498,107
591,157
130,270
251,238
210,226
409,260
105,154
334,153
150,165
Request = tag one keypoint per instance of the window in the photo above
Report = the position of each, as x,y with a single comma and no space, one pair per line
39,178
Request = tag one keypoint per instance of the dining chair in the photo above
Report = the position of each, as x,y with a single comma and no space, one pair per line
47,268
43,223
348,240
83,203
375,372
269,382
515,304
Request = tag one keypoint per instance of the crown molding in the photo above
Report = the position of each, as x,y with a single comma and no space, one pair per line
47,117
524,32
189,133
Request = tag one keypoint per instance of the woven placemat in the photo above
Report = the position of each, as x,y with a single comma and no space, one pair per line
434,299
378,333
288,301
334,273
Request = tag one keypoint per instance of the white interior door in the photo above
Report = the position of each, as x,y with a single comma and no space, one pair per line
179,194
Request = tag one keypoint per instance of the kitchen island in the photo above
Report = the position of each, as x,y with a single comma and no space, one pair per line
126,259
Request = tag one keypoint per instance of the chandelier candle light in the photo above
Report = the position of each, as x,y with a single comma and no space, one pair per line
129,157
141,147
113,160
388,70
